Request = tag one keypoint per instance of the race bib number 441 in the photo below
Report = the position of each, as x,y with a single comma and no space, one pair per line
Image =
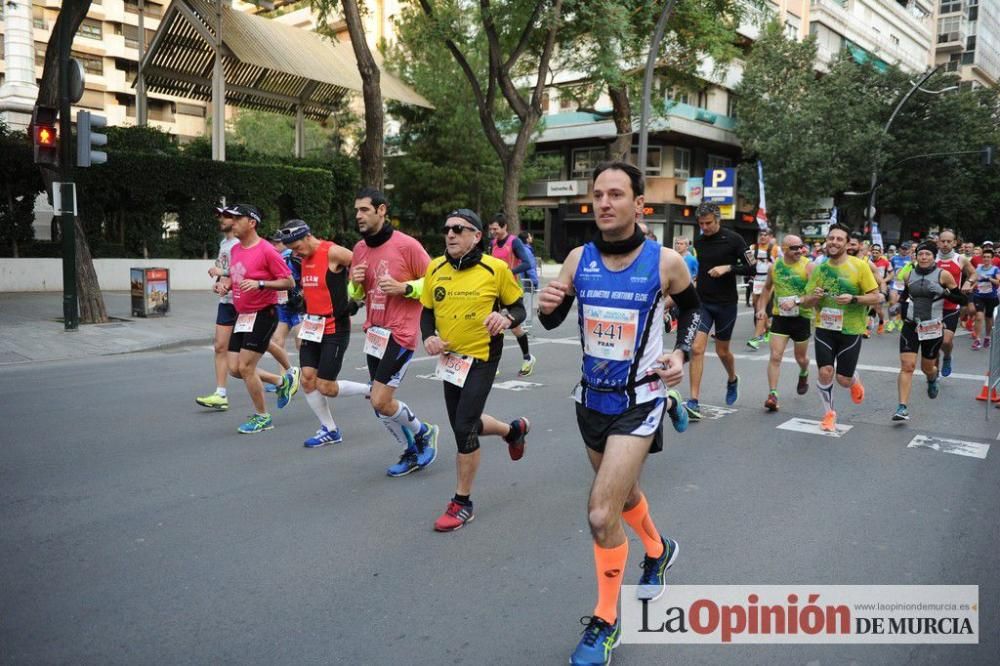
609,333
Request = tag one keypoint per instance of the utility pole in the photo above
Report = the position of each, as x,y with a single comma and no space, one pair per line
67,194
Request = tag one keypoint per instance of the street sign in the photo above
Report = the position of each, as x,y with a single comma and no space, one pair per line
720,186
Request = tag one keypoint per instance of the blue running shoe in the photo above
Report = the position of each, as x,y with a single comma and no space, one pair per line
946,366
902,413
324,437
427,445
257,423
408,460
599,639
270,388
932,388
654,571
693,409
289,387
678,414
733,391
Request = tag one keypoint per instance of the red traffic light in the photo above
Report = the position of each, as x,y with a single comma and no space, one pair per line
45,136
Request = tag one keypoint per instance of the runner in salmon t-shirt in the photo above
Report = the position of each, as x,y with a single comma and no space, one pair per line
258,272
388,272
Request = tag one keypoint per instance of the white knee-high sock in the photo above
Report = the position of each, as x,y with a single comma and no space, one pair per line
395,429
405,417
321,408
348,388
826,395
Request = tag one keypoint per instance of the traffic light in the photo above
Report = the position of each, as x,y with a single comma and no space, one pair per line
45,135
986,155
87,139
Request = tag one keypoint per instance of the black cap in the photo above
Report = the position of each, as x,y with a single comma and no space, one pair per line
927,246
243,210
467,215
292,231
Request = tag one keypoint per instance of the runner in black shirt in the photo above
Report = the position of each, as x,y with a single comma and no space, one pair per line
722,255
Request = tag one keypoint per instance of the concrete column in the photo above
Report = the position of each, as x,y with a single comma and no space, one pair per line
300,133
18,92
218,93
141,112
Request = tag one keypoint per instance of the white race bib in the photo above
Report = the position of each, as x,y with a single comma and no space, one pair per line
985,287
312,328
282,297
758,285
376,341
832,319
245,322
609,333
792,311
898,285
932,329
453,368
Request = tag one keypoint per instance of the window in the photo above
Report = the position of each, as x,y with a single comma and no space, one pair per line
970,43
91,29
702,99
949,6
567,103
39,54
682,163
38,18
969,58
677,96
131,34
949,28
547,163
152,10
654,160
731,105
894,39
91,64
585,159
718,162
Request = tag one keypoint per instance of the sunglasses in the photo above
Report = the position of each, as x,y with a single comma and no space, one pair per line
457,229
796,248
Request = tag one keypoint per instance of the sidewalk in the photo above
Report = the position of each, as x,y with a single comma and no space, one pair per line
31,329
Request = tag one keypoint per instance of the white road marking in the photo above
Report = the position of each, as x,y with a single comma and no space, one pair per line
812,427
955,446
516,385
714,413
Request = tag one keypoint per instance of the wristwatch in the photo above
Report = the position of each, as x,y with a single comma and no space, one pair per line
854,299
798,300
260,284
408,289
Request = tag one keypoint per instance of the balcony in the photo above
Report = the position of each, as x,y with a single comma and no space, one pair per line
951,42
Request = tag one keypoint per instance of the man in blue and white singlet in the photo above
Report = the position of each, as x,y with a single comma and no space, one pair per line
621,280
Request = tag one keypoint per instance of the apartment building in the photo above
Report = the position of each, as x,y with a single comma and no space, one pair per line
107,46
967,40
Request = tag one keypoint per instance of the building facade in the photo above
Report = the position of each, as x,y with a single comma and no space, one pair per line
968,40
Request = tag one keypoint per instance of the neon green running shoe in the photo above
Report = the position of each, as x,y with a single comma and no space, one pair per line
213,401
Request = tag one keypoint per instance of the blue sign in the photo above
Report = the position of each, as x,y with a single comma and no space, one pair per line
720,186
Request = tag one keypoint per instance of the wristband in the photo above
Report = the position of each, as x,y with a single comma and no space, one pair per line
260,284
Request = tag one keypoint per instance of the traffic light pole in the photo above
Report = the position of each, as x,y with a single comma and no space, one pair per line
71,306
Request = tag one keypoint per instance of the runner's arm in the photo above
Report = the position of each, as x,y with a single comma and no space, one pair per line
952,292
674,273
765,294
517,247
428,326
556,298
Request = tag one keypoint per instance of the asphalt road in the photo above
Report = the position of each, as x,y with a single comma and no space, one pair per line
137,528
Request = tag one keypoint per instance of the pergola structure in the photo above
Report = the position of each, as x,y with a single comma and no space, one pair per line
208,51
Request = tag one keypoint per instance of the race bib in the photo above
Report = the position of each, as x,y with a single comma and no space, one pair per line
931,329
312,328
282,297
609,333
453,368
985,287
897,285
376,341
832,319
245,322
792,311
758,285
880,271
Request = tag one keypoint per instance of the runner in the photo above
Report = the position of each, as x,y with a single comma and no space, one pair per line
388,273
928,288
897,263
225,316
964,275
621,280
258,272
985,299
511,250
786,282
463,293
290,301
883,272
722,255
765,253
841,289
326,328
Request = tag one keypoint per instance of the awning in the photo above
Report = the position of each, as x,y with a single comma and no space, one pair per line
268,65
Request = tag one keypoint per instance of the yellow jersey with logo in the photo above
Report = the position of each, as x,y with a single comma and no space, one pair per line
462,300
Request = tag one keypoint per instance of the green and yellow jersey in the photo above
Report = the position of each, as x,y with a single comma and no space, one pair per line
854,277
789,280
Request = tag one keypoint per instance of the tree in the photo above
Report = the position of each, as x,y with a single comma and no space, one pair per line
372,148
90,298
520,37
20,183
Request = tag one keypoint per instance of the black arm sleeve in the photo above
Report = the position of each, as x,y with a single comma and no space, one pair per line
556,317
688,320
517,312
428,327
956,296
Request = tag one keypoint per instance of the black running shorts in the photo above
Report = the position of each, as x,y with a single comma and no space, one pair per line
797,328
466,404
909,343
226,315
391,368
950,320
259,338
642,420
326,357
841,350
721,316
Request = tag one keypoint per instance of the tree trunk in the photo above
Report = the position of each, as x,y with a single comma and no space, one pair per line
621,147
88,291
373,146
91,299
512,168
